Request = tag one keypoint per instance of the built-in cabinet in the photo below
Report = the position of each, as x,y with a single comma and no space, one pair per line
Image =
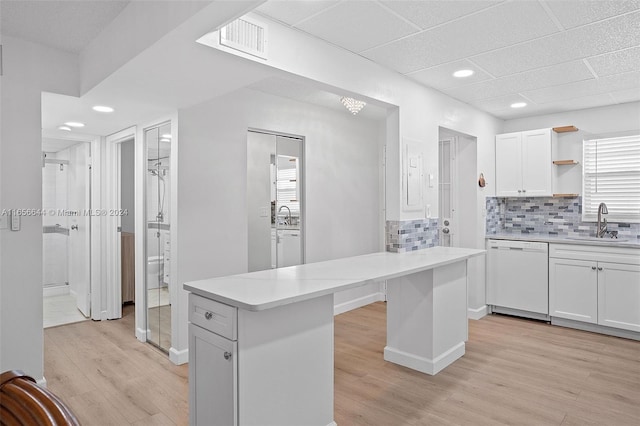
524,163
598,285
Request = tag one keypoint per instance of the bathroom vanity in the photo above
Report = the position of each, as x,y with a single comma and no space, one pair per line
261,344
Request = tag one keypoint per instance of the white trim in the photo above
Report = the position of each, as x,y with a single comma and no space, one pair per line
478,313
179,357
358,303
141,334
425,365
595,328
58,290
519,313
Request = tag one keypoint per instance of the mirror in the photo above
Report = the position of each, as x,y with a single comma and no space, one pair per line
274,200
158,241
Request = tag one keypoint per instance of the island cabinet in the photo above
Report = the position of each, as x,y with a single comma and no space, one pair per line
523,163
261,344
597,285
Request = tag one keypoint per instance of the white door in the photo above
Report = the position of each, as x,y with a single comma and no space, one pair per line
447,192
619,295
536,163
79,233
573,289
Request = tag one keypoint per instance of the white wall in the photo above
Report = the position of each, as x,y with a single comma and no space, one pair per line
28,69
342,182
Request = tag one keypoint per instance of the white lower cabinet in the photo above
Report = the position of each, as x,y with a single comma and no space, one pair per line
597,285
573,290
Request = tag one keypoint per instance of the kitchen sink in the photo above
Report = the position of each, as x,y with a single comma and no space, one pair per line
598,240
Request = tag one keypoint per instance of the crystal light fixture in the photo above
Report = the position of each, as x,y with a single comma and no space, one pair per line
353,105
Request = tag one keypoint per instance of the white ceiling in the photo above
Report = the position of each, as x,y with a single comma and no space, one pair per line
556,55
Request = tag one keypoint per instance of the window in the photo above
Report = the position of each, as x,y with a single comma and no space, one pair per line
611,175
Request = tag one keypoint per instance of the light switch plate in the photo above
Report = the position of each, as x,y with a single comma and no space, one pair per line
4,221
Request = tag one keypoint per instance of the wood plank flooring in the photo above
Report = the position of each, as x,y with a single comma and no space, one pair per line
514,372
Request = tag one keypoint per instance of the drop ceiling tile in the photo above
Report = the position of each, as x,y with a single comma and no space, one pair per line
575,13
624,96
441,77
545,77
493,28
616,62
357,25
590,40
429,14
619,82
292,12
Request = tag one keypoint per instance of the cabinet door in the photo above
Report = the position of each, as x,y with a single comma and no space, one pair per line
536,163
573,290
212,379
619,295
508,165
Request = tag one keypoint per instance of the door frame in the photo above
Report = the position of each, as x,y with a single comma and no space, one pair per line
112,221
453,190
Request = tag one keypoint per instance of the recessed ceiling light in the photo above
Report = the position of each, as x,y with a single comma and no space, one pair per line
519,105
74,124
166,135
66,128
463,73
102,108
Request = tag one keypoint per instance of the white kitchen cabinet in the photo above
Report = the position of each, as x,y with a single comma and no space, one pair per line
619,295
598,285
524,163
289,252
573,290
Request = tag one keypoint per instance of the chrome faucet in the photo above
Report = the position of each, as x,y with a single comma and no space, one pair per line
602,222
289,215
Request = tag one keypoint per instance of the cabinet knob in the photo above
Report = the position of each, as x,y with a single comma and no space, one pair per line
227,356
599,268
593,268
519,191
208,315
524,190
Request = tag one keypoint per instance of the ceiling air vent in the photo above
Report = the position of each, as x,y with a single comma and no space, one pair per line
245,35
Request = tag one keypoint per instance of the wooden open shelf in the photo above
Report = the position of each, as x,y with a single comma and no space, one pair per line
565,162
565,195
564,129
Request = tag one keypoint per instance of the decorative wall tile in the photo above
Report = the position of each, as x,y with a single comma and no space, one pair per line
546,216
409,235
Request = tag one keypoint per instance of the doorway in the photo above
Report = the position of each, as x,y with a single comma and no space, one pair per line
457,189
275,200
66,249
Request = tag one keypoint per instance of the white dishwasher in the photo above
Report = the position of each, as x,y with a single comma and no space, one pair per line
518,278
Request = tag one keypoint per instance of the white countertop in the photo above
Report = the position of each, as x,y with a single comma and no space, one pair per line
562,239
256,291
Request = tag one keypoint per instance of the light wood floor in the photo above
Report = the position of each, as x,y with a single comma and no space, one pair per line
515,371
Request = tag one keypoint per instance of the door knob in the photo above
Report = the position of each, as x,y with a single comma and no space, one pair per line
74,227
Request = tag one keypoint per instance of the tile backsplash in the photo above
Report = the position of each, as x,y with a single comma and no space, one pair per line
547,216
409,235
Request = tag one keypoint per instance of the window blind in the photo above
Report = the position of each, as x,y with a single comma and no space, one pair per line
287,190
611,175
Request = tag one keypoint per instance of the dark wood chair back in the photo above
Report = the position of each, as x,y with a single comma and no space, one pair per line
23,402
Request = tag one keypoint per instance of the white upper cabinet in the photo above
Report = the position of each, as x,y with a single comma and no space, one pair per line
523,163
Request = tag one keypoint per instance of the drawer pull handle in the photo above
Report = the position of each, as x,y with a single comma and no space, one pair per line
208,315
227,356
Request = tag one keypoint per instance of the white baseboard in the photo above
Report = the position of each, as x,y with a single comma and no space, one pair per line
358,303
104,316
425,365
141,335
179,357
595,328
42,382
57,290
476,314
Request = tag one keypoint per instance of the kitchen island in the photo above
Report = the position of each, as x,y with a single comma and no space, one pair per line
261,344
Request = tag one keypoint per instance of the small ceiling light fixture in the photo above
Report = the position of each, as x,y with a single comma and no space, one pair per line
74,124
353,105
65,128
463,73
519,105
102,108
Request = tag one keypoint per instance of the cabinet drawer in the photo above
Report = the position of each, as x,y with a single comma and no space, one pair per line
213,316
